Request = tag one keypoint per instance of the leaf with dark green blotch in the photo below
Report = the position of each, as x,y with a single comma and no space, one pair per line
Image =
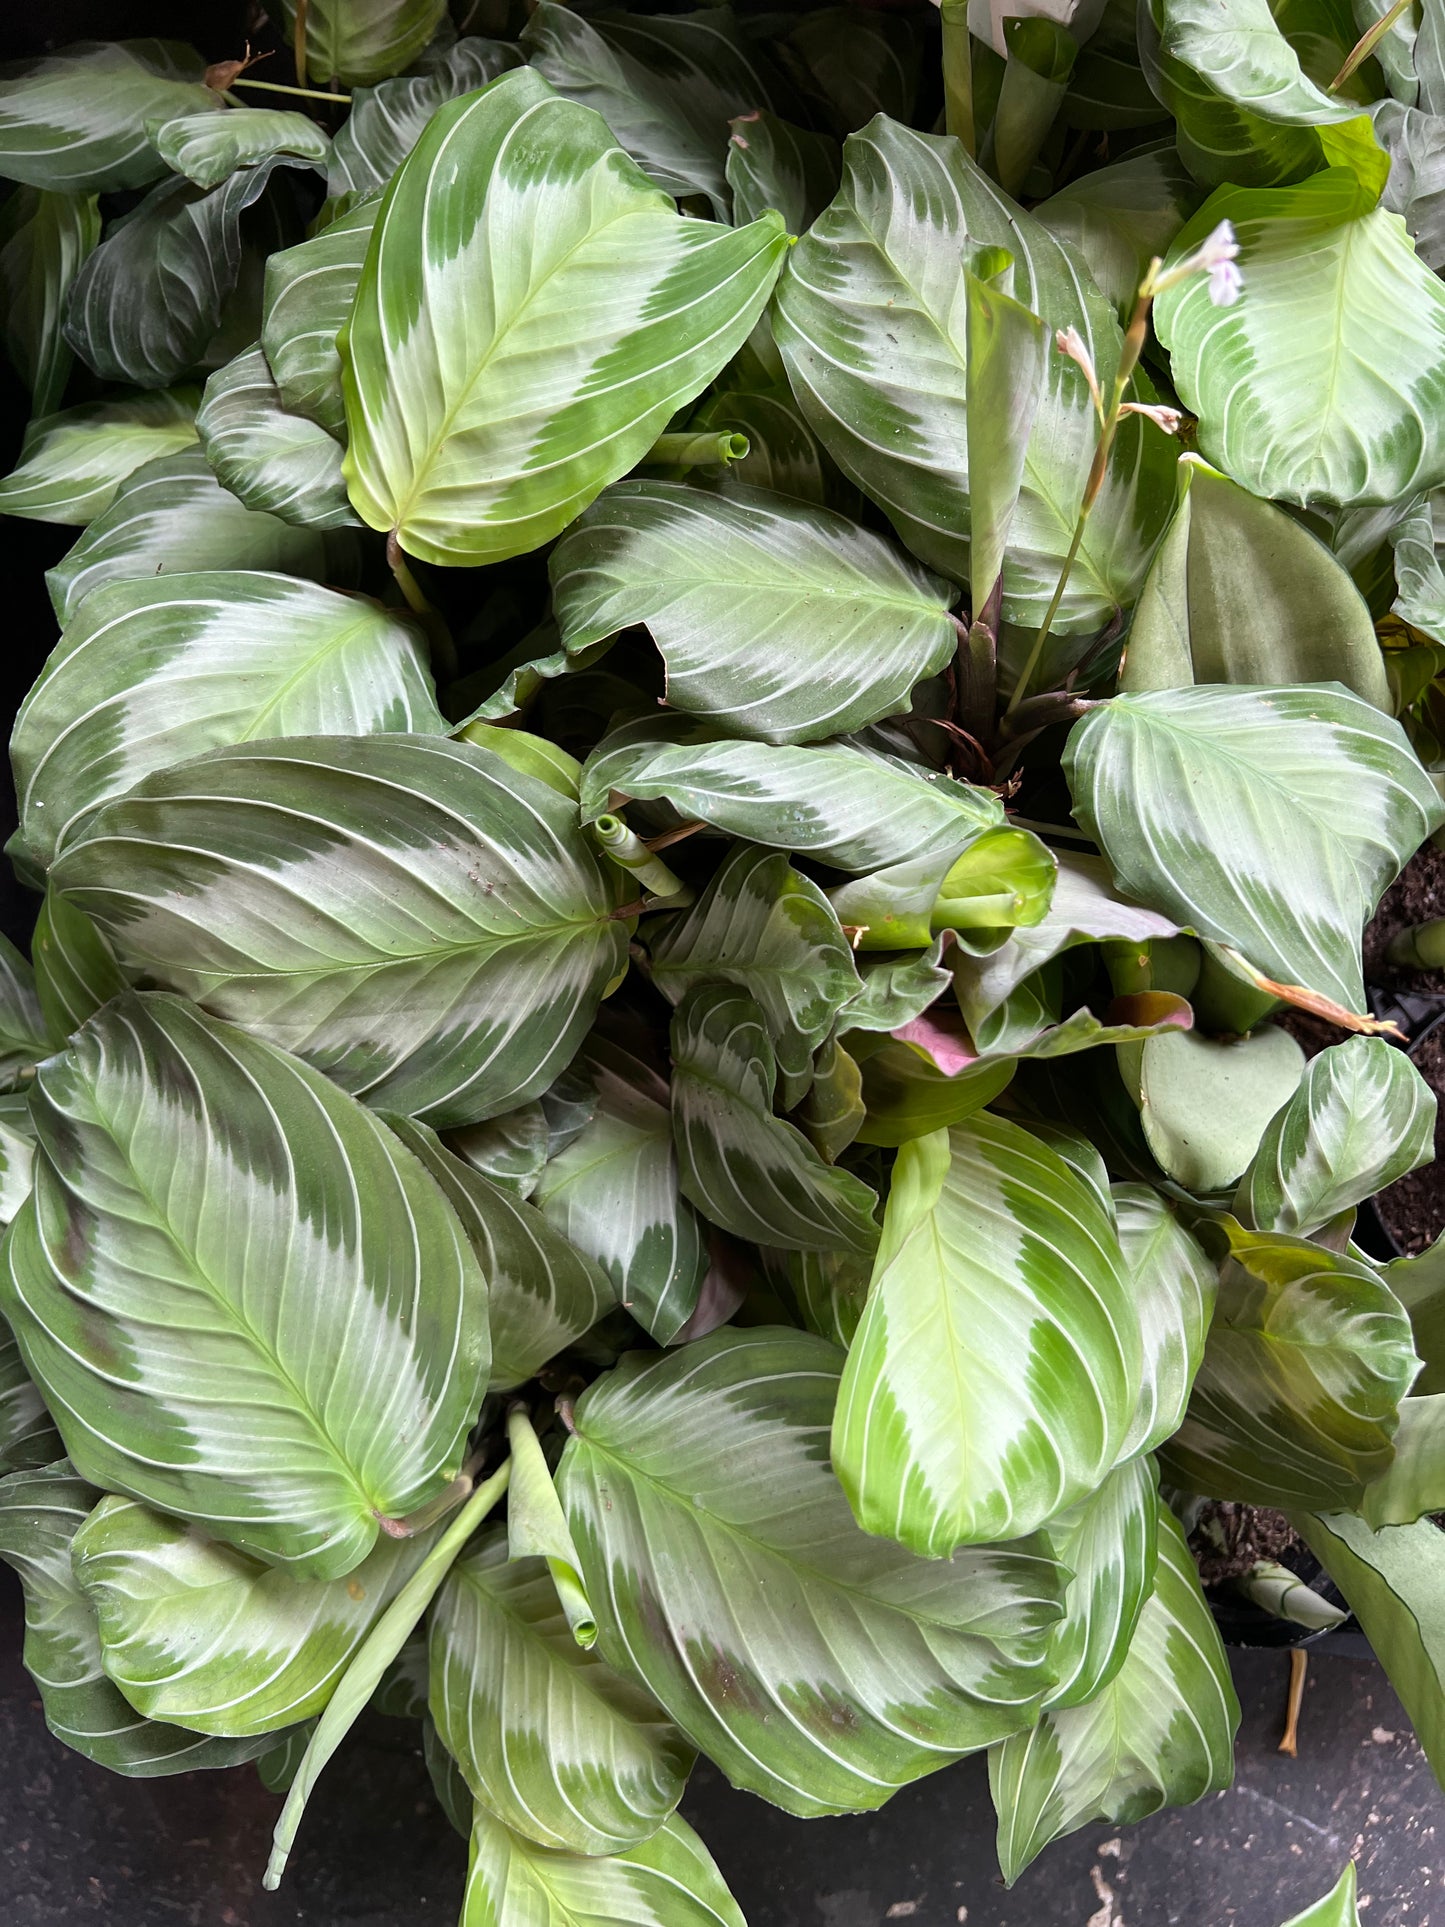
550,1740
40,1513
309,292
217,1231
772,933
446,965
204,1637
1161,1733
542,1292
996,1369
1362,1117
45,238
75,968
386,121
27,1437
1324,796
75,121
815,1665
71,464
612,1189
272,461
745,1169
153,672
1297,1398
479,432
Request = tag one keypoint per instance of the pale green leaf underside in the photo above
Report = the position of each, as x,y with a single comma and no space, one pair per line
207,146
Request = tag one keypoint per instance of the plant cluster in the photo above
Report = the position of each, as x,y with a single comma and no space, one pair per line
722,672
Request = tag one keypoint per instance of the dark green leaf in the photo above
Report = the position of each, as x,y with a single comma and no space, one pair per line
772,163
44,239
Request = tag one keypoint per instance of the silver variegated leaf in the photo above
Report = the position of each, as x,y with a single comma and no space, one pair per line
218,1286
775,619
1323,796
1361,1117
309,292
172,517
1109,1541
551,1741
870,317
670,1880
71,464
75,121
542,1292
1118,217
997,1365
386,121
75,968
413,916
359,42
746,1170
612,1189
207,147
772,933
1297,1398
202,1636
815,1665
1161,1733
27,1437
472,436
274,462
1174,1287
24,1036
40,1513
44,239
153,672
772,163
510,1150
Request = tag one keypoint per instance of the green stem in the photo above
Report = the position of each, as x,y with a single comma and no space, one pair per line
958,74
375,1654
1367,43
298,40
302,93
698,451
439,637
1128,361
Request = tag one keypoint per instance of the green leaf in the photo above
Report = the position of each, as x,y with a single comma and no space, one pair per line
1362,1117
149,300
1297,1398
40,1514
71,464
425,924
745,1169
860,63
358,42
848,807
75,121
542,1292
172,517
44,239
1174,1288
1323,796
669,1880
27,1437
309,293
469,440
510,1150
1394,1582
1223,601
1109,1542
1117,218
776,619
996,1368
908,1094
1161,1733
153,1280
386,121
1205,1103
274,462
75,968
870,319
898,989
1415,143
1419,1284
1340,324
201,1636
771,933
814,1665
156,671
613,1191
1337,1909
207,147
667,87
1005,354
17,1175
537,1526
551,1741
1414,1482
784,455
772,163
24,1038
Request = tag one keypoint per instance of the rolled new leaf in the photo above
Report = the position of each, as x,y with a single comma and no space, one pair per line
537,1526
